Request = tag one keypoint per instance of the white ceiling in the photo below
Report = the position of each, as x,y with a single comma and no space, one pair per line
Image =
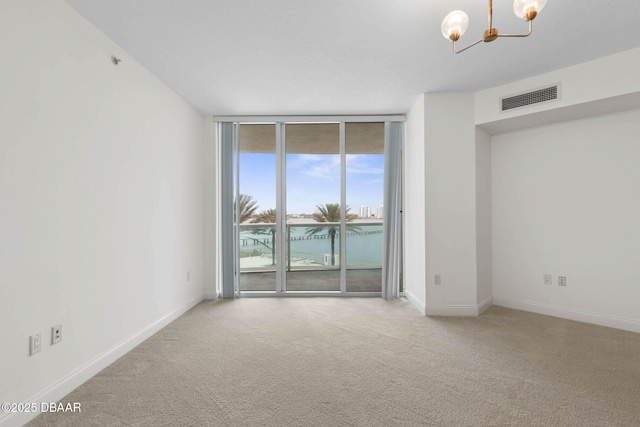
304,57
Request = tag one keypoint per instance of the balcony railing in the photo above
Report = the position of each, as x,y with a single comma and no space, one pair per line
311,246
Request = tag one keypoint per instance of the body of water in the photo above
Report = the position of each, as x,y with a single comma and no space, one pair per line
364,244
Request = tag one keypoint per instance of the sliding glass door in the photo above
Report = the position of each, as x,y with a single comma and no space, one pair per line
365,194
255,207
308,208
313,190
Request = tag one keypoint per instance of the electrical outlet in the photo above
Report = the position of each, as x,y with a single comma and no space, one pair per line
188,276
35,344
56,334
436,280
562,281
547,279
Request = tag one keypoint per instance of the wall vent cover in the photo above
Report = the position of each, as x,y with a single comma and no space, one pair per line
529,98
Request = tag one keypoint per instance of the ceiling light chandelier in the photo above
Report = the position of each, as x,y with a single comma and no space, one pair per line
457,22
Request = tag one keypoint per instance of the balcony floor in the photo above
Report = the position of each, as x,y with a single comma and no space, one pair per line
369,280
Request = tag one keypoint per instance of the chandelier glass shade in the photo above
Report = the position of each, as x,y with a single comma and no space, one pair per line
522,8
455,24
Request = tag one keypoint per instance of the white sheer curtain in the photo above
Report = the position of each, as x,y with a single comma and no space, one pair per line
226,209
392,210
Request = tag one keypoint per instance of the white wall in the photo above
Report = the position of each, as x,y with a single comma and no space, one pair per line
484,291
101,201
414,207
450,191
462,176
565,202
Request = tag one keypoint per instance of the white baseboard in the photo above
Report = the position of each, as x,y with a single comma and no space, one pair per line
452,310
484,305
459,310
569,313
77,377
416,302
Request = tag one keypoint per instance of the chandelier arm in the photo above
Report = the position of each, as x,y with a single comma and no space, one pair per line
490,14
519,35
462,50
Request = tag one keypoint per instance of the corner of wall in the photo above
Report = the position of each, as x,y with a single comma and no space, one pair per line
420,305
414,205
450,204
484,264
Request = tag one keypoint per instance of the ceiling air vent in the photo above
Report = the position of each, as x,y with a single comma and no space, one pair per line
529,98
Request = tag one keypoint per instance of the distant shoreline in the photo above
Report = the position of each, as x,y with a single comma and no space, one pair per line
298,220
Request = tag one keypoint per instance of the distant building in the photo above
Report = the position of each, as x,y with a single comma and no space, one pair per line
364,212
379,211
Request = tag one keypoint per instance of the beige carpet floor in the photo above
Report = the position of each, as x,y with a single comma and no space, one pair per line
364,362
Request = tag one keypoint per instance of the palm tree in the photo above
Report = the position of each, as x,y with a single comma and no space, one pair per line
268,217
330,212
248,207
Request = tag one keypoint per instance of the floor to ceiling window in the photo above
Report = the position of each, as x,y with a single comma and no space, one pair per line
312,200
308,208
256,197
364,194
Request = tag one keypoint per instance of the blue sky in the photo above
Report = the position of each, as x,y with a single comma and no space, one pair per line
313,179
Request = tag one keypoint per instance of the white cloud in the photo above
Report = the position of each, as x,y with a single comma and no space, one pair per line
316,165
327,166
363,164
